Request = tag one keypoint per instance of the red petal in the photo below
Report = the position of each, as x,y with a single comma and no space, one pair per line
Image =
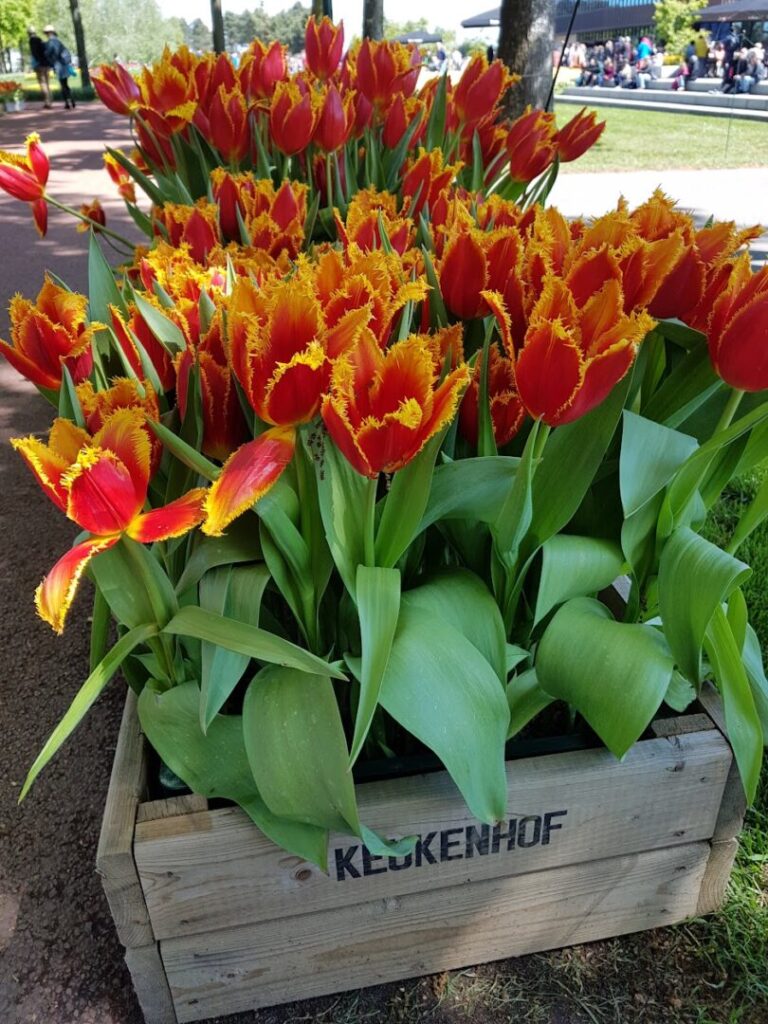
549,371
172,520
56,593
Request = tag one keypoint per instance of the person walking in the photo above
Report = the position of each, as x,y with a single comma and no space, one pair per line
40,65
60,59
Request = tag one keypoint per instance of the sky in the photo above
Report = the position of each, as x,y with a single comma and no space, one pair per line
446,13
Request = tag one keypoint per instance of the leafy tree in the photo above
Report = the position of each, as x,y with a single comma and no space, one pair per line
133,30
674,21
15,16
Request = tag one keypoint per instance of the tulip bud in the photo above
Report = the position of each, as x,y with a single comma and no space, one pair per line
323,43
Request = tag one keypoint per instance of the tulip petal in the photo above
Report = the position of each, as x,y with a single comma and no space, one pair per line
602,374
56,593
28,368
549,371
124,434
101,496
47,465
740,354
172,520
246,476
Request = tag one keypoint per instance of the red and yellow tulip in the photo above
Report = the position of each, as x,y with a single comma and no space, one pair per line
120,177
507,411
293,117
531,144
116,87
479,90
737,332
382,70
323,43
25,178
261,68
578,135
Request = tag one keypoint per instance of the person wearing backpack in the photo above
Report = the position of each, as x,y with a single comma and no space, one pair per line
60,59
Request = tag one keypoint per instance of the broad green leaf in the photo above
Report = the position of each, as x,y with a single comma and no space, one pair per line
614,673
462,601
215,765
442,690
184,452
435,132
86,696
102,289
100,623
134,585
470,489
296,749
68,403
378,603
239,544
690,385
514,656
745,731
738,616
753,663
650,456
405,504
246,639
575,567
526,699
167,333
695,577
680,694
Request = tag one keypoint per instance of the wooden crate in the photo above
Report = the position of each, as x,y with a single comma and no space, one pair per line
216,919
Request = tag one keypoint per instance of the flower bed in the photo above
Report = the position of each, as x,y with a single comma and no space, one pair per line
358,434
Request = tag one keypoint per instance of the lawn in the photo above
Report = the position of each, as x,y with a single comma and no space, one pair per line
637,140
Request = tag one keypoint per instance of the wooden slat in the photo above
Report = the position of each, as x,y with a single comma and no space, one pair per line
114,856
385,940
151,984
681,724
730,818
216,870
189,803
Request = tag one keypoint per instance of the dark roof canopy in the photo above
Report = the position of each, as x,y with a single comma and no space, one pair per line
418,37
740,10
488,19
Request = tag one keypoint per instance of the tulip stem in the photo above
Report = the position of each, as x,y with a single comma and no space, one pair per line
369,524
729,411
540,442
89,220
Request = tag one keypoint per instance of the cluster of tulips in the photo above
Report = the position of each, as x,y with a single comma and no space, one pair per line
353,452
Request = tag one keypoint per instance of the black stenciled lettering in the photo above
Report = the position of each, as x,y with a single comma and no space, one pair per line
368,859
423,852
447,844
509,835
344,863
477,840
407,860
523,841
550,826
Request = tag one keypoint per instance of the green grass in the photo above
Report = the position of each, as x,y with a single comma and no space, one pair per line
637,140
33,94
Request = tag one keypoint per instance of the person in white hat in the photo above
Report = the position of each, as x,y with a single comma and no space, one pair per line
40,65
60,59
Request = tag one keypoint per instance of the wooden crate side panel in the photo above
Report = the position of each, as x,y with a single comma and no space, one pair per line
216,870
151,984
114,855
385,940
730,818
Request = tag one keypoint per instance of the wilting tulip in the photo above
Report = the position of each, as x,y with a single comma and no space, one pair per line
479,90
117,89
383,407
101,484
578,135
383,69
230,130
323,43
120,177
50,333
261,68
94,211
531,144
293,117
507,411
573,357
336,121
25,178
738,332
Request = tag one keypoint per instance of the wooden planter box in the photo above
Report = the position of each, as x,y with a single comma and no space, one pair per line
216,919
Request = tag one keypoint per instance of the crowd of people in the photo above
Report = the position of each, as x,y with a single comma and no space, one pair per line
621,63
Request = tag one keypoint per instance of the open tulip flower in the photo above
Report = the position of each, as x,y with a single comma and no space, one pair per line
382,70
25,178
101,483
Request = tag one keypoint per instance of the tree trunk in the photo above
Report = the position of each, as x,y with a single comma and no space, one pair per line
217,21
82,56
318,9
373,19
526,42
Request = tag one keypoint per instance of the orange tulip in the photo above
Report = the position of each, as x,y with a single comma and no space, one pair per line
230,128
367,211
383,407
261,68
120,177
738,331
507,411
336,121
399,117
117,89
293,117
48,334
479,90
474,262
25,178
323,43
101,484
94,211
531,144
578,135
383,69
424,179
123,393
195,226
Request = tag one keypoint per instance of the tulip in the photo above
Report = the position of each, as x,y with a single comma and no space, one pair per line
479,90
384,407
213,72
336,121
383,69
135,329
230,130
261,68
507,411
292,117
366,213
168,89
25,178
424,179
475,262
123,393
48,334
738,331
323,43
531,144
399,117
120,177
195,226
94,211
578,135
117,89
101,484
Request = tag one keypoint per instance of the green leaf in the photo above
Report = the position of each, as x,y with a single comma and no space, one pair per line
575,567
102,289
184,452
296,749
165,330
69,403
378,603
680,694
650,456
752,516
470,489
526,699
516,514
695,577
442,690
239,544
100,623
245,639
615,674
405,504
216,765
745,732
753,663
86,696
689,386
435,133
134,585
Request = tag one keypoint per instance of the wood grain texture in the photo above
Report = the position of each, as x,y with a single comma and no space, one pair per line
387,939
151,984
214,869
172,807
682,724
714,885
114,855
734,804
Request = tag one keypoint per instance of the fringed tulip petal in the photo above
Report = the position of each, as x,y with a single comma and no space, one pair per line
549,371
124,434
54,596
172,520
101,495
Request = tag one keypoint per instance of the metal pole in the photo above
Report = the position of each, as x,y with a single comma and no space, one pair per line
562,54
